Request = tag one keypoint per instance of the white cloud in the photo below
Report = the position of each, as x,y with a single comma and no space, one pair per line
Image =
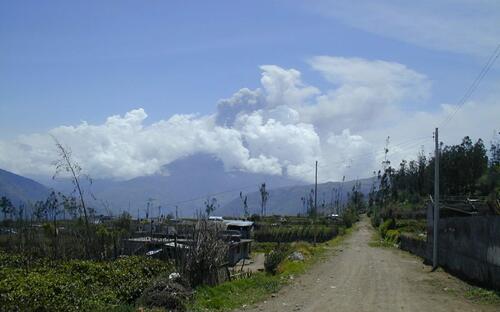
282,127
368,92
285,87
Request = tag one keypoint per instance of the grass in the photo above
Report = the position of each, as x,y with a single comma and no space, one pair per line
378,241
234,294
472,293
262,247
483,296
462,289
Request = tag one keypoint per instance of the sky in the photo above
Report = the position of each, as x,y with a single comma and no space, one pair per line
265,86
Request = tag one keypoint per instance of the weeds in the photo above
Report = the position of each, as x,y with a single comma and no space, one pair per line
234,294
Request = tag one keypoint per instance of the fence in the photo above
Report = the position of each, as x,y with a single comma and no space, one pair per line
468,247
415,245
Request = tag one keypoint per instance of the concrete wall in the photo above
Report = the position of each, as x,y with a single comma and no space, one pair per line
415,246
468,247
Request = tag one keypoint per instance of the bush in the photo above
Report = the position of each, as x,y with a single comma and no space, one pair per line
349,217
375,220
392,236
170,294
286,234
274,258
207,253
389,224
76,285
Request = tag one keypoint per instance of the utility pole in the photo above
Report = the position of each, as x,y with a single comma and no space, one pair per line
436,203
316,190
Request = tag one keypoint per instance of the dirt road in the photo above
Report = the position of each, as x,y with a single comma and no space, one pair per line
357,277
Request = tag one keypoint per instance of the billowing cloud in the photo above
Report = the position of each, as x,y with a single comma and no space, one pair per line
367,92
282,127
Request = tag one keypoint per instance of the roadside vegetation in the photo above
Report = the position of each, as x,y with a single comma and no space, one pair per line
75,285
57,255
398,197
244,292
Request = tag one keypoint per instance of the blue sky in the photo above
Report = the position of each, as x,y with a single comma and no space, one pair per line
64,62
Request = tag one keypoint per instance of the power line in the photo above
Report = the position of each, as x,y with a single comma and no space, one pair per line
209,195
486,68
408,144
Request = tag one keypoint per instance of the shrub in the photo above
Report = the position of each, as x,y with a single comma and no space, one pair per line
170,294
293,233
375,220
349,217
274,258
205,255
392,236
389,224
76,285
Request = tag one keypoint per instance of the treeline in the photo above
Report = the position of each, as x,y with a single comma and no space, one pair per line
62,226
46,233
466,169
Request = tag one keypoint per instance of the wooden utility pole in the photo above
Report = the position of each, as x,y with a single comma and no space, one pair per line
436,203
316,190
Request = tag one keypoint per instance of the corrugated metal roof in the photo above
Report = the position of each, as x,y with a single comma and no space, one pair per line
240,223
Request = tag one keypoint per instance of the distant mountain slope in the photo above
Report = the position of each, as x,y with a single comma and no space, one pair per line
20,189
187,183
287,200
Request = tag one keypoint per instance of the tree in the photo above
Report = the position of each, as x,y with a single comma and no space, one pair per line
210,205
357,197
245,204
67,164
6,206
70,205
495,153
310,203
53,209
264,196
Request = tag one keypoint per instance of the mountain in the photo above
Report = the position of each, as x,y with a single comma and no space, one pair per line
189,181
20,189
185,183
287,200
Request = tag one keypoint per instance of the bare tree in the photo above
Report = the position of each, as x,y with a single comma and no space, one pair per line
67,164
310,204
6,206
245,204
202,258
210,205
53,208
264,196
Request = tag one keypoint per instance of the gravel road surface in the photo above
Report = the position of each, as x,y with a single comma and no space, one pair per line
357,277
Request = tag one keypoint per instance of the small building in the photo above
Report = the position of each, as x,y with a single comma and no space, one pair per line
238,250
244,227
172,240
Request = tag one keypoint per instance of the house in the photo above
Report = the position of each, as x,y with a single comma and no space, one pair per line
238,247
244,227
236,233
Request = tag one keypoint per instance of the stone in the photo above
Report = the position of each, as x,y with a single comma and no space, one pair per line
296,256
